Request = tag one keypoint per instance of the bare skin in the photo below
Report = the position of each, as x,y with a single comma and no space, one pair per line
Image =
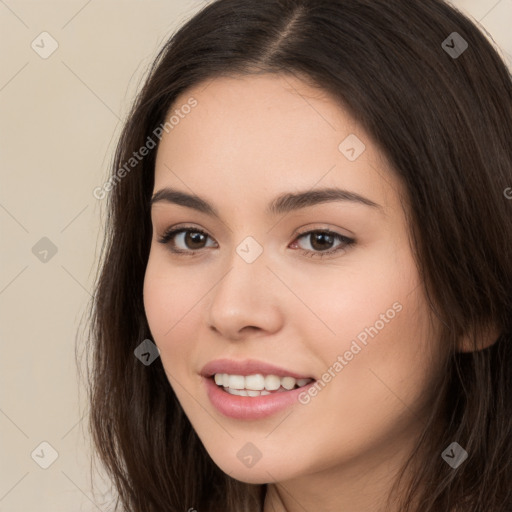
246,142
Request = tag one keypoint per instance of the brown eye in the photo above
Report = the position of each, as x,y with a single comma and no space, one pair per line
322,243
185,239
194,239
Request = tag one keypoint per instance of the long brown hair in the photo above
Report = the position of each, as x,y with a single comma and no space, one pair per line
444,121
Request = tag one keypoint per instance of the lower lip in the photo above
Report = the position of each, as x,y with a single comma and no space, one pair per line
251,408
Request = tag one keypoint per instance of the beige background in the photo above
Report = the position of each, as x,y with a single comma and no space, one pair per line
59,120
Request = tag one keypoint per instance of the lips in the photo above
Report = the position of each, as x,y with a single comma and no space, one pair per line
248,367
249,405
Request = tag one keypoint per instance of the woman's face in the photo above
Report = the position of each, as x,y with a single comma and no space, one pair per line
301,260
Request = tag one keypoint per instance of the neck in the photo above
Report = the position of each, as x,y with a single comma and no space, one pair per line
359,485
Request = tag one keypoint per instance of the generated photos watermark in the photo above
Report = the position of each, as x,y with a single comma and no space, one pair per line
355,348
144,150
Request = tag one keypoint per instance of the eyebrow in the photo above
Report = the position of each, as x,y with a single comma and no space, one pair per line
282,204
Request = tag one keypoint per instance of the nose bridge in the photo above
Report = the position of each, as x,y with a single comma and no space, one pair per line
240,286
243,296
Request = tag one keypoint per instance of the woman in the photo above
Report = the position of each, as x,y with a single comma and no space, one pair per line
305,300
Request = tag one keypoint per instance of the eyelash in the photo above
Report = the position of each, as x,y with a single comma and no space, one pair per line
346,241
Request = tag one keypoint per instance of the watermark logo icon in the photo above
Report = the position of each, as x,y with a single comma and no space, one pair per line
454,45
146,352
44,250
44,45
249,455
352,147
44,455
454,455
249,249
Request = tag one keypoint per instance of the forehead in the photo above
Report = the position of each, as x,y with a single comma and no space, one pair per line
261,133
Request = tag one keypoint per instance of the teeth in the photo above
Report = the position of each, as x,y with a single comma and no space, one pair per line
236,382
246,392
272,382
239,392
288,382
257,384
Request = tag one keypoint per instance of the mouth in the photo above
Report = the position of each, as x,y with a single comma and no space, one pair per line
252,390
258,384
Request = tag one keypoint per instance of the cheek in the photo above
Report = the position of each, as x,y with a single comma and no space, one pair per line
360,302
171,298
380,342
157,302
163,311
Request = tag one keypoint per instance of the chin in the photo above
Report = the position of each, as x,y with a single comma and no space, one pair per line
261,472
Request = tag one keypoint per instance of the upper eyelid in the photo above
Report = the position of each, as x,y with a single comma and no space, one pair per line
179,228
345,241
176,230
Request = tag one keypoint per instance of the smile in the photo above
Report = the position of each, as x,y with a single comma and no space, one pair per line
254,404
257,384
251,389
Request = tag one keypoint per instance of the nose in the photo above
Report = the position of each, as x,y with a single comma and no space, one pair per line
246,301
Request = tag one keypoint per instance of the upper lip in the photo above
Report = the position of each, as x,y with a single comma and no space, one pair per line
247,367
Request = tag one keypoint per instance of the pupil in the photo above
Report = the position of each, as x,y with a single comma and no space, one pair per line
323,238
195,238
